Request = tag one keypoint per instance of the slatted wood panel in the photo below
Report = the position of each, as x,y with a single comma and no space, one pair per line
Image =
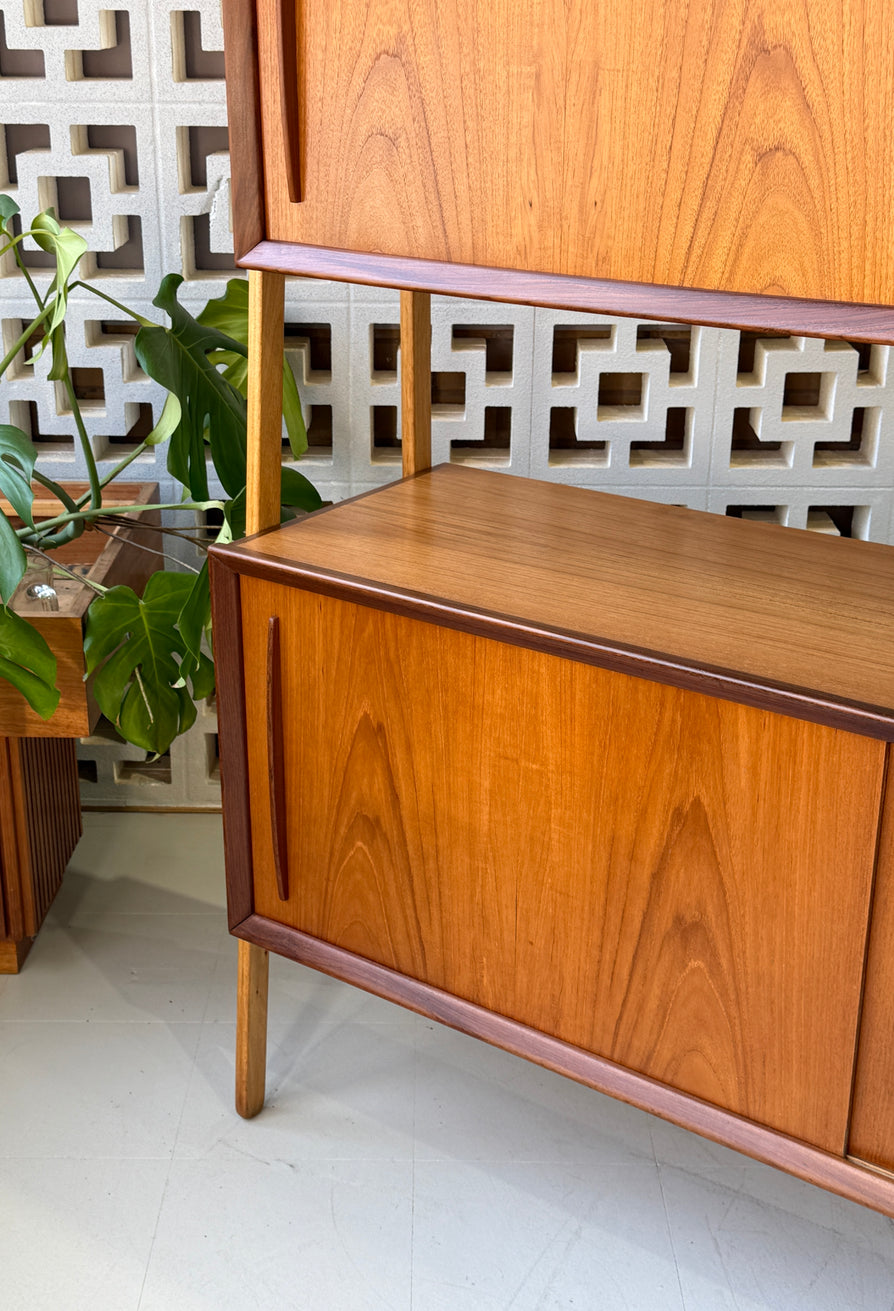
637,870
40,823
734,147
52,816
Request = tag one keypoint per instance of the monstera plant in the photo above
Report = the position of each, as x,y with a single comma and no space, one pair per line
150,655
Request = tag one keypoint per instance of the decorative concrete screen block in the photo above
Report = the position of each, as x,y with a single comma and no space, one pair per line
116,116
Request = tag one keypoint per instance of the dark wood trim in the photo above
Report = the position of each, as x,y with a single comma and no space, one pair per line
641,300
658,666
227,620
288,82
800,1159
240,25
276,759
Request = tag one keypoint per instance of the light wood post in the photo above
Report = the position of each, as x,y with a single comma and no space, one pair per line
262,510
415,373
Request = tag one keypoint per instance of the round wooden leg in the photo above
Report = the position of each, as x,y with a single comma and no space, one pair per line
251,1029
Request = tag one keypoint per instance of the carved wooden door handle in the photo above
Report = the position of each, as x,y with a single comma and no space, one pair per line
276,760
288,82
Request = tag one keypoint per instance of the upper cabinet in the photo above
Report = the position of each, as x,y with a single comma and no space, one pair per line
728,145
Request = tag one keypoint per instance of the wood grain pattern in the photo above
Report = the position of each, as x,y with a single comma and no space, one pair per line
733,147
844,1177
227,619
872,1124
415,376
809,318
265,340
633,869
251,1029
240,28
769,605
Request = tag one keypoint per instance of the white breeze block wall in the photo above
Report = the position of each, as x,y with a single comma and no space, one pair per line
118,118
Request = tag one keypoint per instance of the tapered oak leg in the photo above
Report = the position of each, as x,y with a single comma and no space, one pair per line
251,1029
415,369
262,508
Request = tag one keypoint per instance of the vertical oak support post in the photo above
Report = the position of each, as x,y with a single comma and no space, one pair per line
262,509
415,350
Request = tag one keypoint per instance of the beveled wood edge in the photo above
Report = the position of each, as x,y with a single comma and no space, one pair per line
885,813
640,300
619,657
240,27
226,612
836,1174
885,816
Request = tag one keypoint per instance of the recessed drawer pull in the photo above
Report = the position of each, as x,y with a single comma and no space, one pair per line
276,761
288,82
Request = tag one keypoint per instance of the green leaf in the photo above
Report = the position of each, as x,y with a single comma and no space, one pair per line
134,648
296,490
168,420
67,247
27,662
17,459
194,621
202,678
8,209
229,314
234,520
177,357
12,559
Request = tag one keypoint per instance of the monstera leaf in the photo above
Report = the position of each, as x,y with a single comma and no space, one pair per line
18,456
229,314
135,649
27,662
213,412
67,247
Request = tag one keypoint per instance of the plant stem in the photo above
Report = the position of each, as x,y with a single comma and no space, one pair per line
62,494
25,338
86,515
86,448
141,546
23,269
146,323
183,536
122,464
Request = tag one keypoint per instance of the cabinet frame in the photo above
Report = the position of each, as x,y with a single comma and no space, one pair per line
417,278
839,1174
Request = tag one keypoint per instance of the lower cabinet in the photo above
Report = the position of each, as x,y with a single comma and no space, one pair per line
662,878
663,890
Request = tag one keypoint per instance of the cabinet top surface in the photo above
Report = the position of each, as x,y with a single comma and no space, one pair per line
776,606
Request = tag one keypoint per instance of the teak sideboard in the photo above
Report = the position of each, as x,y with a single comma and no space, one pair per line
599,781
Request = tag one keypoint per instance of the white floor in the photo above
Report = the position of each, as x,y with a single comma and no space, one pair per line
397,1164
